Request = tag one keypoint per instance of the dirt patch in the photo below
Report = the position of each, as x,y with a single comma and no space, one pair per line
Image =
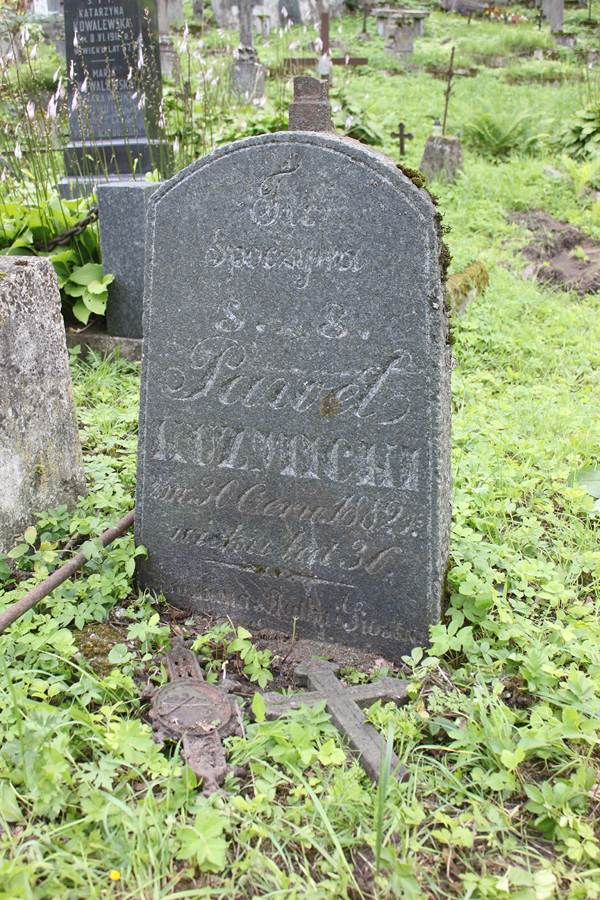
559,253
96,640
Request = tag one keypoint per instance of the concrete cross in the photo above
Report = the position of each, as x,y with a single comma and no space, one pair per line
402,136
246,48
344,706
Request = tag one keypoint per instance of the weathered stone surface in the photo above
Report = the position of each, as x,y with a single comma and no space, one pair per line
170,15
554,13
110,131
94,340
294,448
122,208
40,454
387,17
310,109
442,157
248,79
400,41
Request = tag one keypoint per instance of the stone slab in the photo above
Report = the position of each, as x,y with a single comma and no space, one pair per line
122,215
293,466
40,454
98,341
109,70
442,157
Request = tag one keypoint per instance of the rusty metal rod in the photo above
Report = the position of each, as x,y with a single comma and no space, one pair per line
45,587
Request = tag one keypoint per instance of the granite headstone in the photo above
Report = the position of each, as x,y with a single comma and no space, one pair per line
113,67
40,454
122,206
293,468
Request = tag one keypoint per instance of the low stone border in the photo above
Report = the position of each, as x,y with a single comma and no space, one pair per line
101,342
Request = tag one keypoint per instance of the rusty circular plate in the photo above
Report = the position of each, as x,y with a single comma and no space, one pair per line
193,707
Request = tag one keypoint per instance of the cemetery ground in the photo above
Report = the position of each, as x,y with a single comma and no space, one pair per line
500,733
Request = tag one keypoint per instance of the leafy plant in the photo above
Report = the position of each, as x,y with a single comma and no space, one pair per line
498,135
90,288
580,137
223,643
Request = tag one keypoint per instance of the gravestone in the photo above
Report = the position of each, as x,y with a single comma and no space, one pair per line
293,468
554,13
247,74
169,15
442,157
114,88
400,41
122,209
40,454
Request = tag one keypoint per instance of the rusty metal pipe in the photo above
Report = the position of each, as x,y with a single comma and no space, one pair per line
45,587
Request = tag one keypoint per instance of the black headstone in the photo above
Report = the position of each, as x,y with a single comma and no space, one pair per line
113,69
294,449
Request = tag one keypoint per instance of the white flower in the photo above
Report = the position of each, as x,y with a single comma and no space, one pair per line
34,51
51,109
140,61
75,39
284,12
176,146
71,72
24,35
129,74
31,110
18,151
74,102
184,40
84,85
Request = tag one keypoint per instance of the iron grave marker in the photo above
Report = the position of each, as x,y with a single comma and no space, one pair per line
293,464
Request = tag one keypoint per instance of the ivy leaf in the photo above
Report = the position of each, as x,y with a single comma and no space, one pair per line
119,654
204,842
9,807
589,479
86,274
81,312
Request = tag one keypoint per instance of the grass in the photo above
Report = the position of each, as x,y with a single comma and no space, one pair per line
501,731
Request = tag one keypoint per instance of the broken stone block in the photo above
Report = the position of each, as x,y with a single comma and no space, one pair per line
442,157
40,454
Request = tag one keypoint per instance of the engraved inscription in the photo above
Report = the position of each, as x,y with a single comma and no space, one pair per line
301,262
224,370
351,511
298,456
298,549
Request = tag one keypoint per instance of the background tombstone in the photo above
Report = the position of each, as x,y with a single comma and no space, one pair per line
293,466
122,211
400,41
115,63
247,74
554,13
169,15
40,454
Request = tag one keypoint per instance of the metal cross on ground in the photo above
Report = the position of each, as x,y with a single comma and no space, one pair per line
295,63
198,714
402,136
344,706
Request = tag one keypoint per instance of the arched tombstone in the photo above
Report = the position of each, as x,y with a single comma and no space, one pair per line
294,450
